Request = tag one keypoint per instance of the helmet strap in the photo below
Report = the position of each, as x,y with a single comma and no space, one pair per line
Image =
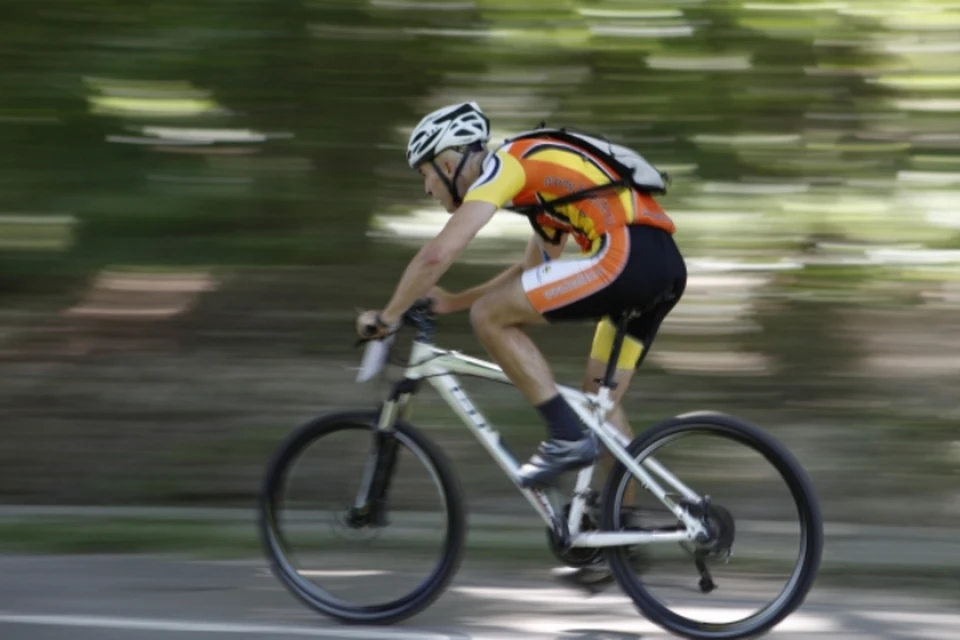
451,184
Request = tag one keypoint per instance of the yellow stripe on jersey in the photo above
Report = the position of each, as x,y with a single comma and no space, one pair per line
501,178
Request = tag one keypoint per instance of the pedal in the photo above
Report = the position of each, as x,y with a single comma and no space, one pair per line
706,583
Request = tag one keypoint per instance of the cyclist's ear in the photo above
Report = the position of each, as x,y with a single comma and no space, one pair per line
447,160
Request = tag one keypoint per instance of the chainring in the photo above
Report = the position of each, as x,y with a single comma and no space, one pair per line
574,556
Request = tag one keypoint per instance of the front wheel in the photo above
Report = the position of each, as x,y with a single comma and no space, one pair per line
370,503
716,478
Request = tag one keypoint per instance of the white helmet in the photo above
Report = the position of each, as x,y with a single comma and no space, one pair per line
452,126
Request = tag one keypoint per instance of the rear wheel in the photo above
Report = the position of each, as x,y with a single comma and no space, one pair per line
727,470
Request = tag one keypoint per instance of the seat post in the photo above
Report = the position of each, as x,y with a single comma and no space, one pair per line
621,334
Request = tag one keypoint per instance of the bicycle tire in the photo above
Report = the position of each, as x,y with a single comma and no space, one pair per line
808,508
318,599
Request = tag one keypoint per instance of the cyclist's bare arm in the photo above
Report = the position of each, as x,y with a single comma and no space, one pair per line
435,257
532,257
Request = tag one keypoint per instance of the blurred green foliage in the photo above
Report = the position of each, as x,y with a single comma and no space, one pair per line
227,145
312,100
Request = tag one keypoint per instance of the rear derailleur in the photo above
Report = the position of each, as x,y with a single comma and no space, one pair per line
715,543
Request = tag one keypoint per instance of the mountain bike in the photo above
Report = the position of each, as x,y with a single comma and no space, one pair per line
707,528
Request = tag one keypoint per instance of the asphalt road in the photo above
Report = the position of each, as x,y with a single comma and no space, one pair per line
157,598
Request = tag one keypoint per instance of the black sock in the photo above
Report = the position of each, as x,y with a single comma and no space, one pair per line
563,423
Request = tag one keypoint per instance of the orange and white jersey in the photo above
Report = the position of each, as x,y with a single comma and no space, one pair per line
530,171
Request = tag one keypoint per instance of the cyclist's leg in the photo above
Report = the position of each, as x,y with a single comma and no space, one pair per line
559,290
598,575
497,319
636,344
656,267
626,366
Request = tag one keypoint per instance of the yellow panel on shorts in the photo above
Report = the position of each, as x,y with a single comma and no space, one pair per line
603,344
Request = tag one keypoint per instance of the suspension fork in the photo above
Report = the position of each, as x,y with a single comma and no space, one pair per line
370,506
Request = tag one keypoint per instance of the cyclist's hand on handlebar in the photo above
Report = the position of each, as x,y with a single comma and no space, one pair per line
442,301
371,326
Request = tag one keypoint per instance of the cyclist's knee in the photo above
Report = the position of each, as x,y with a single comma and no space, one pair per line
505,306
481,314
487,313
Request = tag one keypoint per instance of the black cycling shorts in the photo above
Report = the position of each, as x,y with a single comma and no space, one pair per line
636,267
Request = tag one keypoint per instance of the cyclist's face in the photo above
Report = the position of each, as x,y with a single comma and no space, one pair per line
434,186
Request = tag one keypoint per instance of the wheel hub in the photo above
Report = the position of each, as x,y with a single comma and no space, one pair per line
355,524
717,541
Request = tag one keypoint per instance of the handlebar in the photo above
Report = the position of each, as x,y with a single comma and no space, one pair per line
420,316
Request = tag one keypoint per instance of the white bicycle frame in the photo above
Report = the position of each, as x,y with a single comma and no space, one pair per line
438,366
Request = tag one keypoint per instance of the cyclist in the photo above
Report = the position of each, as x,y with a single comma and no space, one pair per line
628,260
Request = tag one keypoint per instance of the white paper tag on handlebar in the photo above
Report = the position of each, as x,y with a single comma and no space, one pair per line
374,358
